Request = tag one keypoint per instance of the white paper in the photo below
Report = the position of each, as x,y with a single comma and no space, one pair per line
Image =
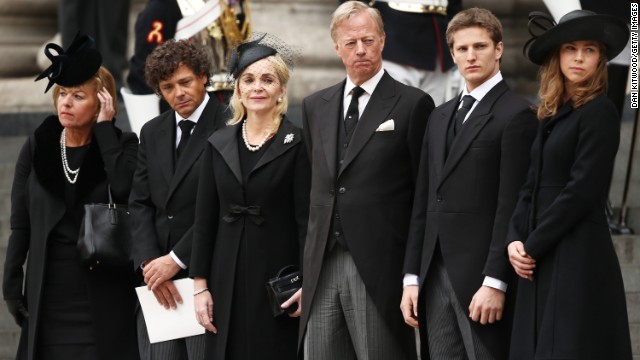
163,324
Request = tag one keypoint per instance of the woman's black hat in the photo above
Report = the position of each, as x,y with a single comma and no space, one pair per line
574,26
260,46
73,66
248,53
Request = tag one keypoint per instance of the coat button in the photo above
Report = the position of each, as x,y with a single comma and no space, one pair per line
169,217
342,190
439,198
338,216
331,192
336,234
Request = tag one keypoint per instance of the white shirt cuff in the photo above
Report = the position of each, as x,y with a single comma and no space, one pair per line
495,283
410,279
175,258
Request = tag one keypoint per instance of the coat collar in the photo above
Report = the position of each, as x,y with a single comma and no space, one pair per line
47,161
472,127
225,141
563,111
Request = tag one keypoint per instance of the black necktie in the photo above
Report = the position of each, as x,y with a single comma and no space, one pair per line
351,119
185,126
467,103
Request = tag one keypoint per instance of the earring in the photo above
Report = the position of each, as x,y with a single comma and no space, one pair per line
279,99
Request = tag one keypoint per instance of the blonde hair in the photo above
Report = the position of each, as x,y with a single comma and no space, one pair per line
351,8
552,85
238,109
102,78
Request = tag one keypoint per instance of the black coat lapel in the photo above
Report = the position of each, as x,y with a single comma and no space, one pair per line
471,128
379,106
329,112
204,127
165,144
563,111
225,141
442,116
287,130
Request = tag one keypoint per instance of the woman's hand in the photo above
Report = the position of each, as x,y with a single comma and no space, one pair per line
522,263
203,303
294,299
106,111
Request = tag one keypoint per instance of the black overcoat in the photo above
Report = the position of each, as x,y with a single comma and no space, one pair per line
575,307
464,201
37,205
277,189
373,190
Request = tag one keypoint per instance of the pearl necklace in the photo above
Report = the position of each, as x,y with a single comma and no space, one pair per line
68,172
246,142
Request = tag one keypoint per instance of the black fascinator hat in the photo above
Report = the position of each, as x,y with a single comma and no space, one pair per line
574,26
260,46
73,66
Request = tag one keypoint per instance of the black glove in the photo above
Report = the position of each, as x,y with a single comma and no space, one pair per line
18,309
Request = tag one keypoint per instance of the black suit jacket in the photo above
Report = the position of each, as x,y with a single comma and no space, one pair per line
464,202
162,201
373,190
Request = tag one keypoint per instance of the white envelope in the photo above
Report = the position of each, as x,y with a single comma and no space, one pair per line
388,125
163,324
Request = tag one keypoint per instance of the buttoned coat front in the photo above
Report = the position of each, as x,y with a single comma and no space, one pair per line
163,195
373,190
575,307
245,232
464,200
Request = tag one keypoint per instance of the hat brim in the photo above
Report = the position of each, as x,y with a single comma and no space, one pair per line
603,28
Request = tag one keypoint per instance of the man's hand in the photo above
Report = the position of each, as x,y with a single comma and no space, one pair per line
159,270
203,304
522,263
487,305
409,305
167,295
294,299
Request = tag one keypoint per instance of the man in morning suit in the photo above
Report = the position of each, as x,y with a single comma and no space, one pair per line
474,160
363,136
165,182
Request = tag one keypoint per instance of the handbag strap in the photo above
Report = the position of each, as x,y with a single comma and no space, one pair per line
287,270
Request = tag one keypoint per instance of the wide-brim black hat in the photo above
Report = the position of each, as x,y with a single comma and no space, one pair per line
574,26
73,66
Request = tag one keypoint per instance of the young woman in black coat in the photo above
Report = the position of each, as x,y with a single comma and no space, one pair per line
251,213
570,300
68,310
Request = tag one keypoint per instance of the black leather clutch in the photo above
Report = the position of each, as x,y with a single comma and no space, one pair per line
281,287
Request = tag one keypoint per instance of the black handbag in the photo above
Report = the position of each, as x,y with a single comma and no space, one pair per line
105,235
281,287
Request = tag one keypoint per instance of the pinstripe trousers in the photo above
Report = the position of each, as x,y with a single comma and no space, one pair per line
190,348
449,333
344,323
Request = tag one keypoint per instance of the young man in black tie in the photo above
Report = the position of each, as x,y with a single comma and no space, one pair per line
165,182
474,159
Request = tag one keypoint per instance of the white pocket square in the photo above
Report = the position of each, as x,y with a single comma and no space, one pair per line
388,125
